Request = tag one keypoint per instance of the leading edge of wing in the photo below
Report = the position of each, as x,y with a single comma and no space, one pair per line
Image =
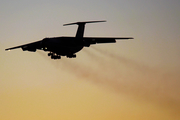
108,37
8,49
20,46
93,40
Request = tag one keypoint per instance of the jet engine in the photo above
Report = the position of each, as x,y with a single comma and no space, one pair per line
29,48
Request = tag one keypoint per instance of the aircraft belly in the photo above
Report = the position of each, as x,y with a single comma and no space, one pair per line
68,50
65,49
62,46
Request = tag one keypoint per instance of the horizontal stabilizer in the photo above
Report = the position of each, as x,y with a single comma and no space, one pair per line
78,23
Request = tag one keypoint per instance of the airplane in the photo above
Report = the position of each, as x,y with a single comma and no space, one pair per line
67,46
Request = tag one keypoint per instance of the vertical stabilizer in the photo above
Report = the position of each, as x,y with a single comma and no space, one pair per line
81,27
80,30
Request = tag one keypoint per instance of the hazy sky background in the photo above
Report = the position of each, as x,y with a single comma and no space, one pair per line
131,80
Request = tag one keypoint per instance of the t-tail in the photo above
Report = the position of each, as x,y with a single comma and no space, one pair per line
81,27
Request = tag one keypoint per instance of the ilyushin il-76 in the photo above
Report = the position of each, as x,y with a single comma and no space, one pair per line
67,46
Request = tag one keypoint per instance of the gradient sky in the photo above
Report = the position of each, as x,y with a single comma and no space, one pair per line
131,80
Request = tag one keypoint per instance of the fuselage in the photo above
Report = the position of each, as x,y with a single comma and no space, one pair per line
63,46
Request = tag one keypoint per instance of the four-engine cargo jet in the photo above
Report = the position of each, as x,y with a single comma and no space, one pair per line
67,46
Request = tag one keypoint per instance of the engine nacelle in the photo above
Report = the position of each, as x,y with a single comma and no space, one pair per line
71,56
86,44
89,42
31,49
45,49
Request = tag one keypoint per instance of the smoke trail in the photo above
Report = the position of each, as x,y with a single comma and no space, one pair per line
82,71
127,77
106,74
128,62
148,83
123,75
143,71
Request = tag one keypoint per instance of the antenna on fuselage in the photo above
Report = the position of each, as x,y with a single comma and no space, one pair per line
81,26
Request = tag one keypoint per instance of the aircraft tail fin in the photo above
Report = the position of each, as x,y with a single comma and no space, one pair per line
81,26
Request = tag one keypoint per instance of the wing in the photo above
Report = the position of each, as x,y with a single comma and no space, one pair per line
94,40
30,47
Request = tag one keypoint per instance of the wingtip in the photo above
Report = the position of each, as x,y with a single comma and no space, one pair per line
7,49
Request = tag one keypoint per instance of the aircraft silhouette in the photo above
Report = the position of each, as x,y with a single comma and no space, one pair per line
67,46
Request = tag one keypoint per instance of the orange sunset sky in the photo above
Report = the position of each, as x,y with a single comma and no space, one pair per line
135,79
